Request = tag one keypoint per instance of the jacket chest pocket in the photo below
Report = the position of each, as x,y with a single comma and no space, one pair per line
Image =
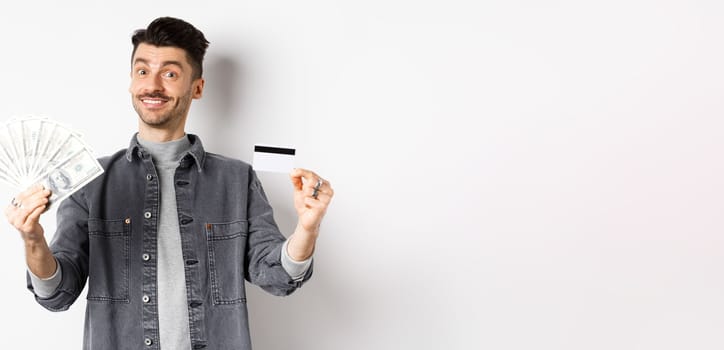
226,244
109,242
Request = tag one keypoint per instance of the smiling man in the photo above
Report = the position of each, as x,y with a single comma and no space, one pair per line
167,235
162,86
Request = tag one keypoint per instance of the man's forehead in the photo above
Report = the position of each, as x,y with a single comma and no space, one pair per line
160,55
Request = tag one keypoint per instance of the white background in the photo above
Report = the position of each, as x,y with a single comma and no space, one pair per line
508,174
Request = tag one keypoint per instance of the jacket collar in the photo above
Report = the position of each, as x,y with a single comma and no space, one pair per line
197,150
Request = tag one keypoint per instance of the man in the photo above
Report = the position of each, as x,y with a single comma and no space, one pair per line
167,235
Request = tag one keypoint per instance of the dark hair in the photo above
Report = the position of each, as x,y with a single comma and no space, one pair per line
174,32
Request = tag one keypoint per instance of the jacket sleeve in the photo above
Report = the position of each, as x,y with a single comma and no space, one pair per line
264,246
70,248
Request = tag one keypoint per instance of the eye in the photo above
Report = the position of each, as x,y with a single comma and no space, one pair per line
141,72
170,75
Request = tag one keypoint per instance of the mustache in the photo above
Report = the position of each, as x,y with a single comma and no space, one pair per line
154,95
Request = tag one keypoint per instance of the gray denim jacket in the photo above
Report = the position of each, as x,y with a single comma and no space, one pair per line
106,234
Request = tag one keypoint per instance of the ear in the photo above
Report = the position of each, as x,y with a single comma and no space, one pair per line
198,88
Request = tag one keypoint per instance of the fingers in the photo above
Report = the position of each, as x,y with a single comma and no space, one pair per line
34,217
301,177
29,193
312,195
324,193
311,184
297,175
26,213
32,198
27,207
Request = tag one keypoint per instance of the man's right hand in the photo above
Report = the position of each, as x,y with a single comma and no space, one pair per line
24,214
25,210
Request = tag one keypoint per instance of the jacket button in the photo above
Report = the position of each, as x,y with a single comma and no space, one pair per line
146,257
146,299
147,215
149,177
127,221
148,341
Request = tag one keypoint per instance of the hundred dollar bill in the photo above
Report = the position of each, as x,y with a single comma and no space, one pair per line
39,150
7,165
4,177
70,175
32,130
51,142
9,150
15,130
65,146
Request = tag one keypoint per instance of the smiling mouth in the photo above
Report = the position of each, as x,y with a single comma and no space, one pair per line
153,101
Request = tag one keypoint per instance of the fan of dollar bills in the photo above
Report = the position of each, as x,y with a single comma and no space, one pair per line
39,150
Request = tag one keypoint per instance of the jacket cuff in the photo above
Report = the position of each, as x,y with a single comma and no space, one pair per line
296,269
45,287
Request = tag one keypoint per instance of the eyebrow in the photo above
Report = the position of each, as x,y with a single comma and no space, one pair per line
163,64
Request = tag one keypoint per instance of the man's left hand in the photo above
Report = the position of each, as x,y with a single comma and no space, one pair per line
312,195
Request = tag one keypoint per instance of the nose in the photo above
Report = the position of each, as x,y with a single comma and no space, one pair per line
156,83
151,84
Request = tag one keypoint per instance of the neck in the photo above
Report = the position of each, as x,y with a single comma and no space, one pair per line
159,135
166,153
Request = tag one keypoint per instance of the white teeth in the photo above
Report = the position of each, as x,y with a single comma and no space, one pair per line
152,101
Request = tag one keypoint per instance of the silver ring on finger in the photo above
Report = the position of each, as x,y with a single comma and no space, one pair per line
316,188
15,203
